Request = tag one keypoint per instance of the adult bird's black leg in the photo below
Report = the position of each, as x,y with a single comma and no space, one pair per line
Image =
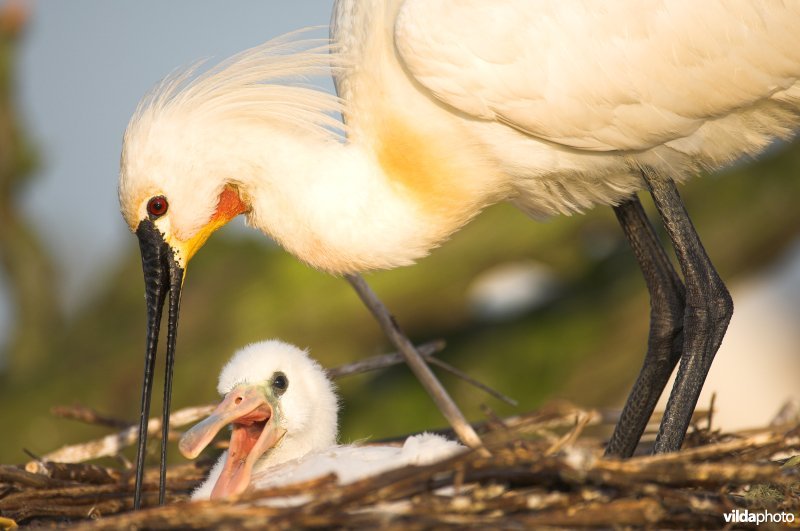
707,312
666,324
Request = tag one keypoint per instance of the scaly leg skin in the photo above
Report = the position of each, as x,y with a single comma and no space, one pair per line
707,313
665,340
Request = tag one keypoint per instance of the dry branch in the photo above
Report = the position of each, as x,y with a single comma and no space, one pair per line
88,415
429,382
83,473
527,482
112,444
426,350
545,470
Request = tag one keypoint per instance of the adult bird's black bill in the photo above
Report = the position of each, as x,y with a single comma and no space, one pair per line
162,274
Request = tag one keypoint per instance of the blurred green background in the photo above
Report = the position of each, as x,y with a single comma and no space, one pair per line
584,344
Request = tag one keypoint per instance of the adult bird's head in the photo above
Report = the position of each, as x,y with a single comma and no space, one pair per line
198,146
177,177
172,206
192,153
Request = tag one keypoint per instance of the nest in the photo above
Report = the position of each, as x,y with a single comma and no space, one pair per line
545,470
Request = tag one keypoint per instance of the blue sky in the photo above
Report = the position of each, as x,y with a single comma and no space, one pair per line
84,66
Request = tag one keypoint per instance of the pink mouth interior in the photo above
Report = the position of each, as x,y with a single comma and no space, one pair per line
235,475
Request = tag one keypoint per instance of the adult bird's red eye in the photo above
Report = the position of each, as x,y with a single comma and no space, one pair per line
157,206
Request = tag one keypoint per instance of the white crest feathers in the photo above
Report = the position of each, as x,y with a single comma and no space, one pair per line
266,82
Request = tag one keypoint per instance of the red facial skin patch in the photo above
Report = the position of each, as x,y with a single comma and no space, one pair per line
229,206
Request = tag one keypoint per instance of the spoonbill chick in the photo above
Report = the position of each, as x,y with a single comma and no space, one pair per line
283,411
450,106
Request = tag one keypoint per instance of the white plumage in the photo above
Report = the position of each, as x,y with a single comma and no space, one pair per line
305,413
454,105
623,75
450,106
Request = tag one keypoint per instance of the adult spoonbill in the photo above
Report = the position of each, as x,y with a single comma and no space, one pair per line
451,105
283,411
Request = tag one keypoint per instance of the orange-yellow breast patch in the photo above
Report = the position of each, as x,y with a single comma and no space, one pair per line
425,168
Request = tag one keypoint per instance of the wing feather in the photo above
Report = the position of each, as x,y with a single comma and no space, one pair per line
617,75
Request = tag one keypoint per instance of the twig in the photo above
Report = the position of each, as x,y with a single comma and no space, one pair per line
710,417
518,486
426,377
493,421
759,440
472,381
13,474
80,472
426,350
87,415
581,421
112,444
680,473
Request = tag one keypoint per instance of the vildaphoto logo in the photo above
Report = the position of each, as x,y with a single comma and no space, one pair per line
763,517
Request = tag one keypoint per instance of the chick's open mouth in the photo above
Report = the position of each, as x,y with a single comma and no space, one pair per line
254,431
245,432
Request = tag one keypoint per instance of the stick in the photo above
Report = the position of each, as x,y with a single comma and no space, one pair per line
416,363
472,381
426,350
12,474
759,440
79,472
112,444
518,486
581,421
87,415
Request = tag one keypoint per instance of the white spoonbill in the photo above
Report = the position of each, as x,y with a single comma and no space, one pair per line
451,105
283,412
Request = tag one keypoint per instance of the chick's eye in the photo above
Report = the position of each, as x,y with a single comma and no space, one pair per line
280,382
157,206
